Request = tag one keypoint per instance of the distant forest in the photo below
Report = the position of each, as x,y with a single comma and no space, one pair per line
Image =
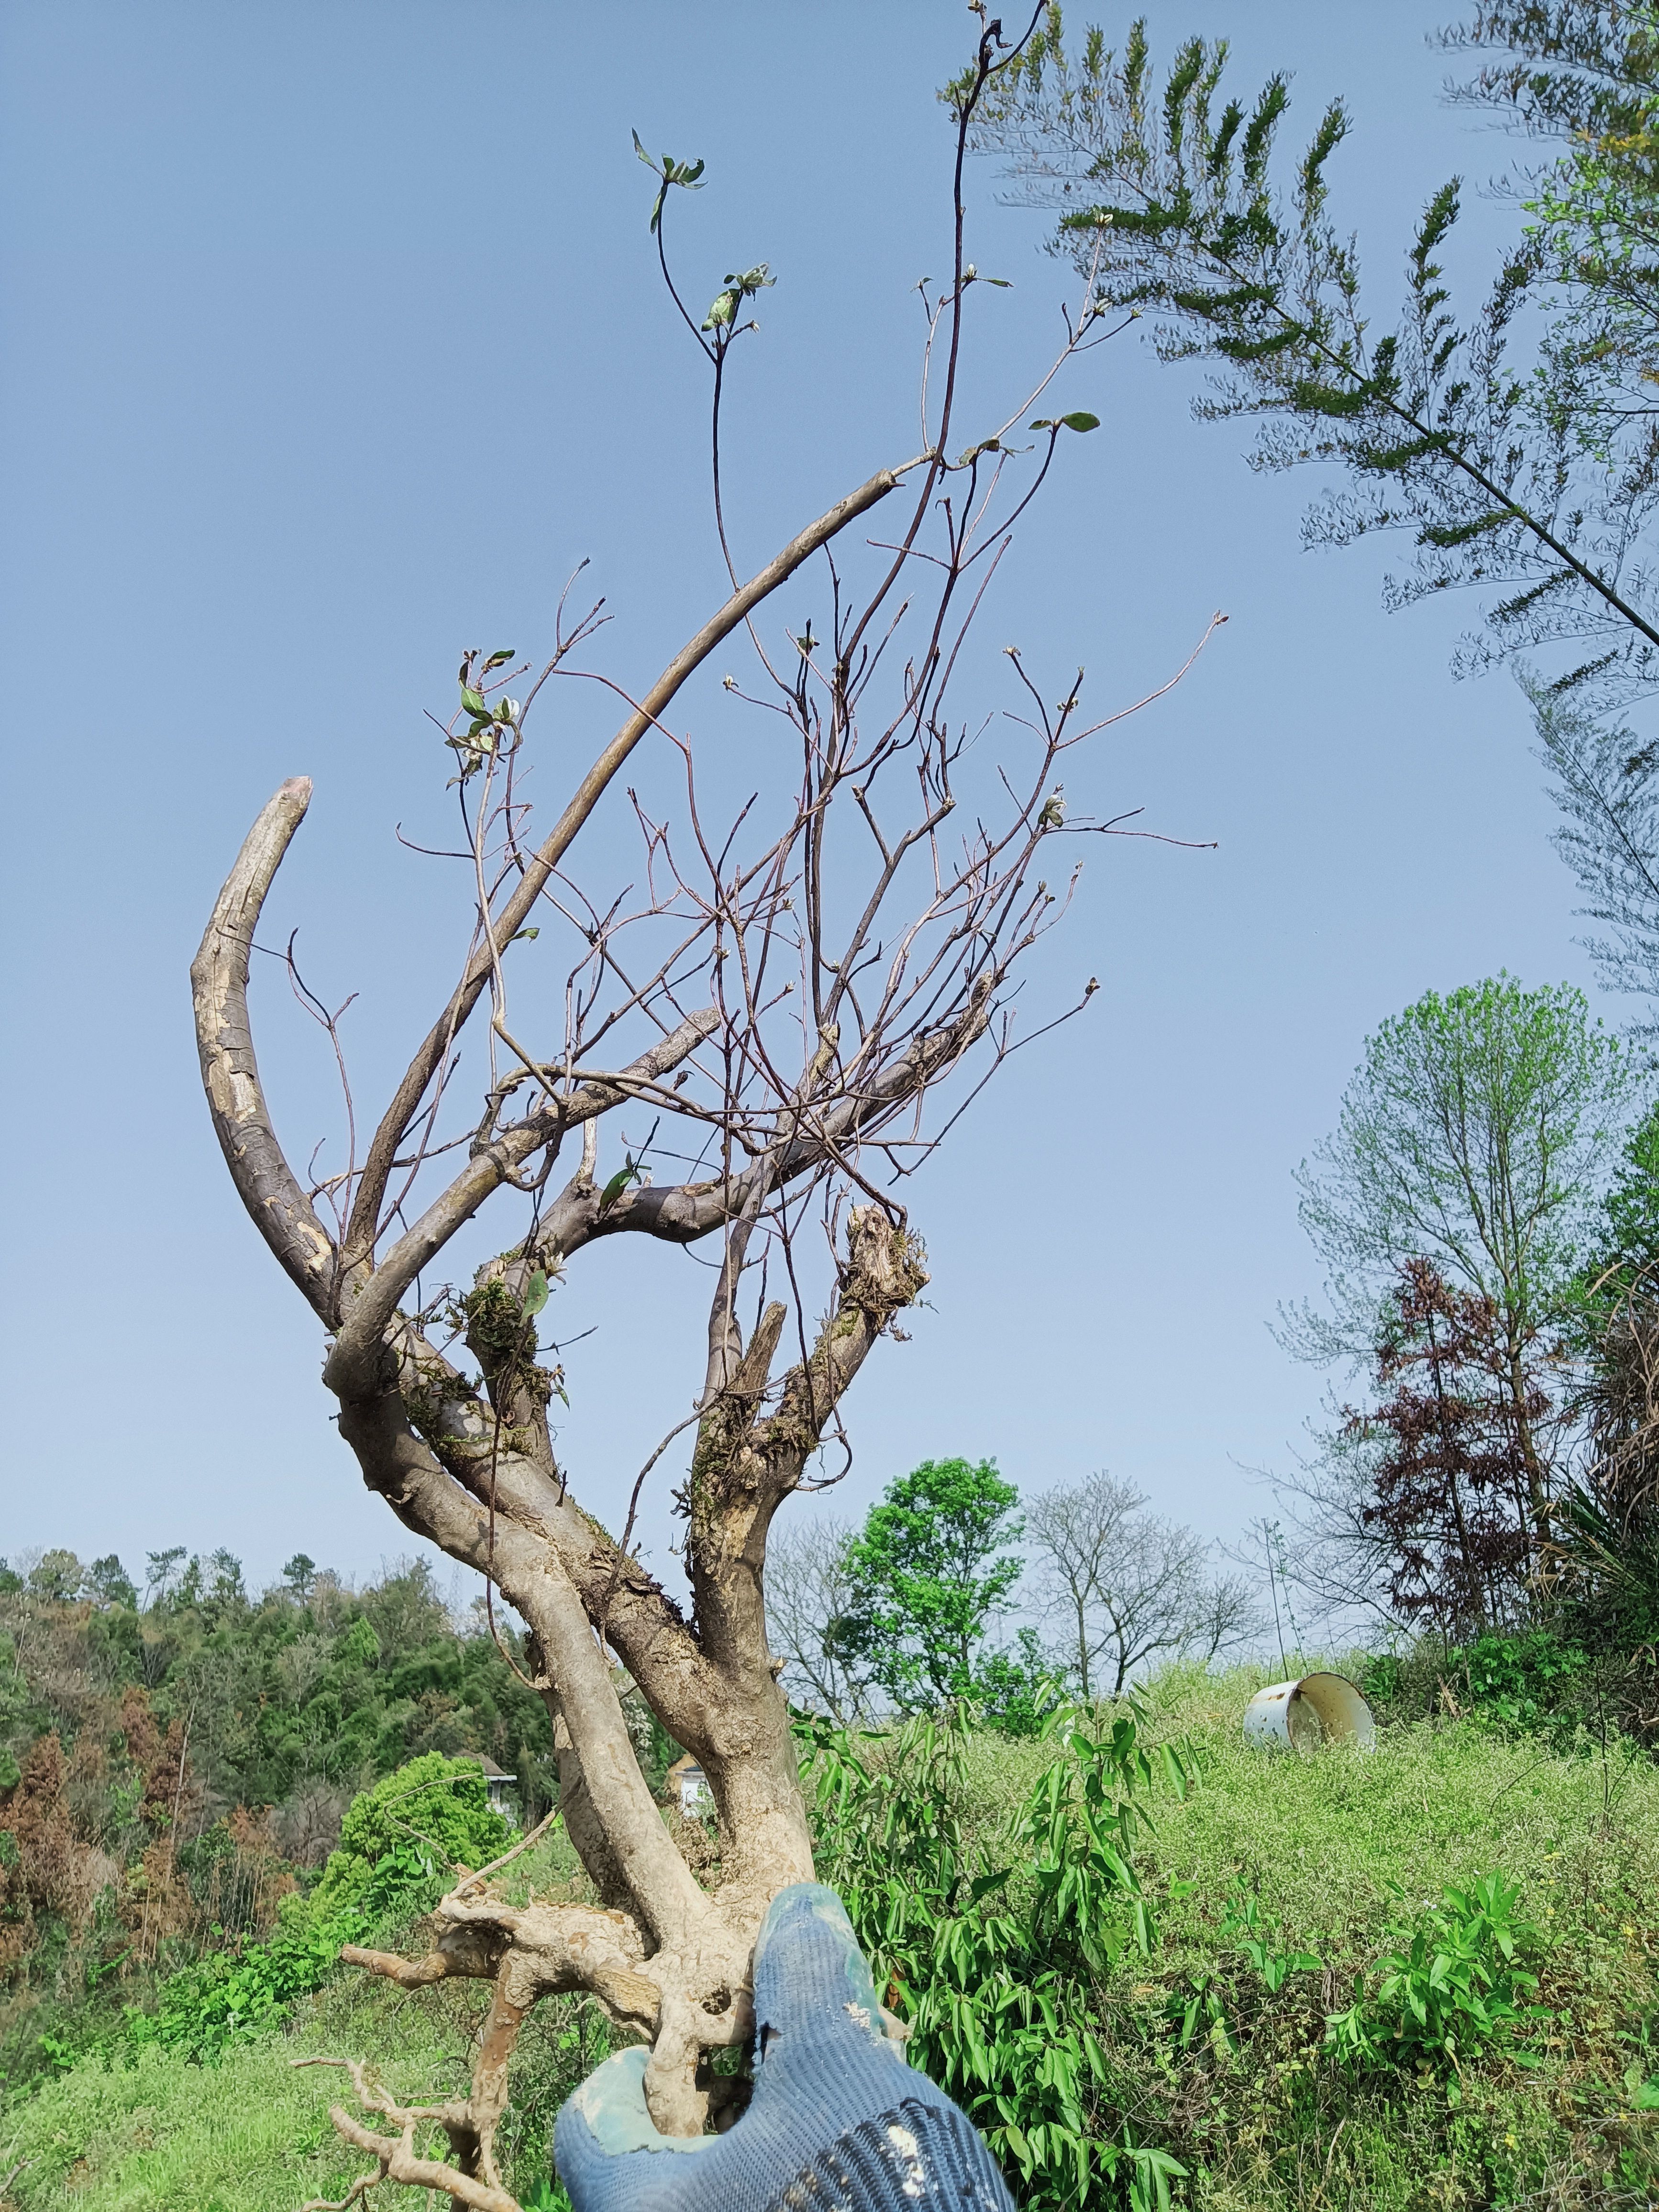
173,1761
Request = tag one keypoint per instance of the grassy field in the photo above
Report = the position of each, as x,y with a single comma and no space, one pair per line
1334,1848
1331,1849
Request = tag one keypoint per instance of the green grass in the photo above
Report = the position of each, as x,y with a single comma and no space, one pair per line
247,2135
1332,1847
251,2132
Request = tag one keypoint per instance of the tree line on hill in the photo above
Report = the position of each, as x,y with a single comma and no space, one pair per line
175,1760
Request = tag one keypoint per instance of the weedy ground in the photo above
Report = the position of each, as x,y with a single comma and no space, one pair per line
1214,2042
1332,1849
249,2131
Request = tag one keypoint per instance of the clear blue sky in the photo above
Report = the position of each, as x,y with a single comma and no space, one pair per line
331,342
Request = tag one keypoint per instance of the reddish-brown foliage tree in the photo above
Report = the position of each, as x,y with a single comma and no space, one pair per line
1451,1484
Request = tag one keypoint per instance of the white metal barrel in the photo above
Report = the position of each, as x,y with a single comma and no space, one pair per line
1315,1709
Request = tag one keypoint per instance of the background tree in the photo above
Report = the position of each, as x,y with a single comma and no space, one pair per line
1123,1586
107,1583
932,1575
1477,1134
1451,1485
812,1599
1607,1540
1514,445
759,1010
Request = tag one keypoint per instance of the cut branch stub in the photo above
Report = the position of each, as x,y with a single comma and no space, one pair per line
525,1953
534,1951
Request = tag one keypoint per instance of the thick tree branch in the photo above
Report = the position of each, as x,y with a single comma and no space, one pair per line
267,1186
748,1462
532,1571
539,1950
680,1214
396,2157
354,1363
444,1480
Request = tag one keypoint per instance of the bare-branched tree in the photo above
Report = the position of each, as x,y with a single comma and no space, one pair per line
811,1592
1125,1586
1326,1562
765,1017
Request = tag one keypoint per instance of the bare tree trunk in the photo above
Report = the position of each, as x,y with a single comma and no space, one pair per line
1538,1496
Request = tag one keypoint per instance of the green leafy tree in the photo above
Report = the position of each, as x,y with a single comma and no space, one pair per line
1476,1134
934,1574
1511,442
1018,1690
108,1582
163,1574
55,1576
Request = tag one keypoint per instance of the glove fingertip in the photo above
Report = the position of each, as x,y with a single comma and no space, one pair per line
608,2110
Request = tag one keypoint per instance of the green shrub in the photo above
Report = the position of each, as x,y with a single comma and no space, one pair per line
430,1817
1244,1927
225,1997
1531,1680
399,1843
996,2000
1456,1986
1016,1691
1525,1680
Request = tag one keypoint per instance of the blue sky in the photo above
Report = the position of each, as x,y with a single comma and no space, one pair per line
332,343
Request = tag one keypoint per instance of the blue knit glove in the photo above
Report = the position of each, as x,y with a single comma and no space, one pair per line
837,2118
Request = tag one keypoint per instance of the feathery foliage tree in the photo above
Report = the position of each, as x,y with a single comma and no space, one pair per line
1513,443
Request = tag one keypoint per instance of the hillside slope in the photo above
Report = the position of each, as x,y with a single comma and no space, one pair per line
1212,2045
